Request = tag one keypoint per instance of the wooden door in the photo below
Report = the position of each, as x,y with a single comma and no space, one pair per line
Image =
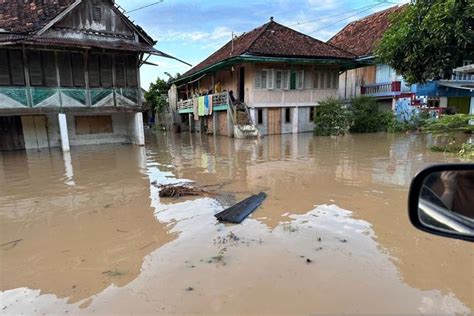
274,121
11,133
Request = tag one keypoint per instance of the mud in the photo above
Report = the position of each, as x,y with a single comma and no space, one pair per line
88,233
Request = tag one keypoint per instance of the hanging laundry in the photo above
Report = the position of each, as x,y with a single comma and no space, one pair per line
210,105
195,109
206,105
201,106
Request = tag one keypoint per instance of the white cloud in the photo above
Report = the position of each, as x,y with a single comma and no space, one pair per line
218,33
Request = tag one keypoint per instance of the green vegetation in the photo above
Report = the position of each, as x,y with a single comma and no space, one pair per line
332,118
428,39
366,116
450,131
155,95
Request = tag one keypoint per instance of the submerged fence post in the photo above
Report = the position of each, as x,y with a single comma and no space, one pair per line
63,132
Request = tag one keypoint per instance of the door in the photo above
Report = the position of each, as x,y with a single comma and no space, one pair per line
11,133
274,121
242,84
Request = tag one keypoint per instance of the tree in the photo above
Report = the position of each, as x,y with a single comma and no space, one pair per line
366,116
332,118
156,95
429,38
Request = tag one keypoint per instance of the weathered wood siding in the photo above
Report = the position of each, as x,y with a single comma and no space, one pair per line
350,81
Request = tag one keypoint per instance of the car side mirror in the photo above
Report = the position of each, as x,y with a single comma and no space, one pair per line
441,201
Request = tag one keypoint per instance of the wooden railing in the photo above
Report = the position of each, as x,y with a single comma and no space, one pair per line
218,99
382,88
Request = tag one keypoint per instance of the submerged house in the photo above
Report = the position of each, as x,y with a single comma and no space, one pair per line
270,78
374,79
69,74
380,81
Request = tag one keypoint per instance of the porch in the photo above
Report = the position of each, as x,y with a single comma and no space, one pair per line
382,89
220,102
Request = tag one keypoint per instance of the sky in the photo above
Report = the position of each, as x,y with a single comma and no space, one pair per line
192,30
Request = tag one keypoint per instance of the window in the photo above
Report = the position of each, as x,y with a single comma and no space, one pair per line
299,79
259,116
97,13
287,115
264,79
71,69
311,114
98,124
93,65
324,79
120,71
281,79
11,68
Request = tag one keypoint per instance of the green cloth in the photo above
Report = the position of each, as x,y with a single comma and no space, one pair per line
201,108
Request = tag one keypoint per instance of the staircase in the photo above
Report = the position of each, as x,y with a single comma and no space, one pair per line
243,125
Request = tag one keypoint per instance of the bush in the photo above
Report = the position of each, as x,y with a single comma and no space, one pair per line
366,116
332,118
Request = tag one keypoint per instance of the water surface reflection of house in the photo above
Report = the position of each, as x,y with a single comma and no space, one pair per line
69,74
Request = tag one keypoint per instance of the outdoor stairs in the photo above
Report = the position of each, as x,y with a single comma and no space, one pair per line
243,125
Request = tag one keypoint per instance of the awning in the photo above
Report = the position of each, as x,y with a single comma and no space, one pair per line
457,84
468,69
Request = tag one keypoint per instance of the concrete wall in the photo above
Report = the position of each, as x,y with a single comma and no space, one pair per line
304,124
286,128
123,132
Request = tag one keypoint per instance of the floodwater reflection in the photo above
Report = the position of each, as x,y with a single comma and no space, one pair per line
95,233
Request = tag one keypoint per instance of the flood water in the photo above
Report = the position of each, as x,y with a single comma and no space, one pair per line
86,233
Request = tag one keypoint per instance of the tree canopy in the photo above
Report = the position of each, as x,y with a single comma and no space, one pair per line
428,39
156,95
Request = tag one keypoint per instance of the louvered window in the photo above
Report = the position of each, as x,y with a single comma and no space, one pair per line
94,70
78,71
4,71
106,71
17,71
132,71
65,69
35,68
119,71
49,69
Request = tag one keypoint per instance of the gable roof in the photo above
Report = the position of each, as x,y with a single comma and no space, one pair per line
30,17
360,37
272,40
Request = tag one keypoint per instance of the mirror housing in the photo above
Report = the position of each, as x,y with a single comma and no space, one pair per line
428,208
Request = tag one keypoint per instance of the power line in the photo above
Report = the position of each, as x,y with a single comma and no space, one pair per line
145,6
345,18
330,16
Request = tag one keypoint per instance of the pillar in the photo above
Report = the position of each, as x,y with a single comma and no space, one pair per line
214,123
443,102
230,125
63,132
294,120
139,133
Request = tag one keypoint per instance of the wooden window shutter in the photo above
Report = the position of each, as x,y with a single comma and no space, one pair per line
35,68
94,70
286,79
258,79
132,71
316,80
119,71
65,69
106,71
335,81
307,79
78,71
270,79
16,68
49,68
328,79
4,71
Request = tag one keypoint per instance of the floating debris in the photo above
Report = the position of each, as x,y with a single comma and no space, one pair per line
238,212
190,289
175,190
308,260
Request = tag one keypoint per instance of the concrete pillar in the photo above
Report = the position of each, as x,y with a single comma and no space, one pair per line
68,168
230,125
214,123
253,116
294,120
471,106
139,133
63,132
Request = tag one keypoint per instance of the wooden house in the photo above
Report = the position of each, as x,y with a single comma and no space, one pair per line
69,74
271,78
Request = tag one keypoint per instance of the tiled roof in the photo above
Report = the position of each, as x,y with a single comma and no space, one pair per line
20,16
273,40
361,36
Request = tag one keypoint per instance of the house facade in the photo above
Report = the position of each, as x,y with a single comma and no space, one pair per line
69,74
380,81
373,78
271,78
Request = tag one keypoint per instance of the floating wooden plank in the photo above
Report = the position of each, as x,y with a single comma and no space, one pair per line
238,212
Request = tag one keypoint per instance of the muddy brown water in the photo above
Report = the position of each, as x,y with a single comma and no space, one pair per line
86,233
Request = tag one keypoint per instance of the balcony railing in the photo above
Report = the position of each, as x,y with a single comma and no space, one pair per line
382,89
220,101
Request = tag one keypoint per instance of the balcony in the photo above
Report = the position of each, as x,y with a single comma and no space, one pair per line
220,102
383,89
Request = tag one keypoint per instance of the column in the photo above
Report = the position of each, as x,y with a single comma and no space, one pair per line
139,137
295,120
63,132
214,123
